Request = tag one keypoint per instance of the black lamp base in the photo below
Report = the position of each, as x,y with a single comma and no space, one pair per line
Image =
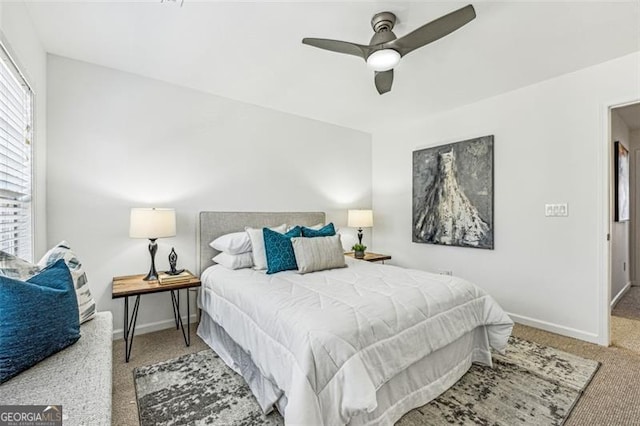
360,236
151,276
153,248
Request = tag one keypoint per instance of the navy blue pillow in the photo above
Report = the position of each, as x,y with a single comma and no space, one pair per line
280,255
39,317
326,231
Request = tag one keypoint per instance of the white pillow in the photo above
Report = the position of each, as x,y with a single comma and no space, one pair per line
257,245
314,227
318,254
234,243
234,261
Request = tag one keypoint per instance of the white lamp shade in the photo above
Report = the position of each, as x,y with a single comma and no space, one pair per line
152,223
360,218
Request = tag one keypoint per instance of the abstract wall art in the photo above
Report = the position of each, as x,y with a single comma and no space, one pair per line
621,158
453,194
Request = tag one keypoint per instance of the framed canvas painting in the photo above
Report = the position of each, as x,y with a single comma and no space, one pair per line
621,175
453,194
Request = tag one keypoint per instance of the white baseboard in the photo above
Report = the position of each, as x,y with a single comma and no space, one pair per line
556,328
155,326
622,292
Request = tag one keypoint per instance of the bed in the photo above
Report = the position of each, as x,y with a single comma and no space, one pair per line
358,345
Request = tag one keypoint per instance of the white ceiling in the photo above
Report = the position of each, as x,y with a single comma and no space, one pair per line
251,51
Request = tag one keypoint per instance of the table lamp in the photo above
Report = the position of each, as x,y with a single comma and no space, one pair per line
360,219
152,223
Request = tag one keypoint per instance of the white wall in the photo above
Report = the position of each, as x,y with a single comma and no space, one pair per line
620,276
549,140
21,38
117,140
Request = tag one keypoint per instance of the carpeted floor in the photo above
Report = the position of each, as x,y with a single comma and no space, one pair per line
629,306
147,349
611,398
625,321
625,333
530,384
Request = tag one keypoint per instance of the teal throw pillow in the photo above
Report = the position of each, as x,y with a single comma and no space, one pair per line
39,317
326,231
280,255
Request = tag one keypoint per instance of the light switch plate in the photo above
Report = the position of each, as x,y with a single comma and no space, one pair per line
555,210
548,209
563,210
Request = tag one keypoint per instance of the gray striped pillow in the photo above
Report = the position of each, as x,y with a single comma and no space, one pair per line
86,303
318,254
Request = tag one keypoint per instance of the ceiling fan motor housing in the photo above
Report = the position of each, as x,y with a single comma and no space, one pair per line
383,21
382,24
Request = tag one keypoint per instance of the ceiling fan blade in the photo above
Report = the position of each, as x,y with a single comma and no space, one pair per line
383,81
433,30
339,46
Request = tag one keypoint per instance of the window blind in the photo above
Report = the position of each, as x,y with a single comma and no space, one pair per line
16,129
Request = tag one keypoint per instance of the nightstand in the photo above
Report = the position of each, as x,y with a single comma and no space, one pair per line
134,285
371,257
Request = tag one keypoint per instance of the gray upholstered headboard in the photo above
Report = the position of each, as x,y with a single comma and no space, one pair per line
214,224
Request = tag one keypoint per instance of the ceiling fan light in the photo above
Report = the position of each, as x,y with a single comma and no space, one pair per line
383,60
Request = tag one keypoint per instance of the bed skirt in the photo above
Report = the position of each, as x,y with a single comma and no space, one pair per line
422,382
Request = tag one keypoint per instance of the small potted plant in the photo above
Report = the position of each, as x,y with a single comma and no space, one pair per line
358,251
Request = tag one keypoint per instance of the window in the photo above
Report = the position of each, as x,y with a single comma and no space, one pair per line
16,129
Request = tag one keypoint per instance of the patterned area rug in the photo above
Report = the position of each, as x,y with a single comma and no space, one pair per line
529,385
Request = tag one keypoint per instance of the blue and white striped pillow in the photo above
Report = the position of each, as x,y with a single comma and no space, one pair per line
86,303
13,267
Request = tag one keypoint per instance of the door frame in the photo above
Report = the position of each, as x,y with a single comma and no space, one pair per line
605,201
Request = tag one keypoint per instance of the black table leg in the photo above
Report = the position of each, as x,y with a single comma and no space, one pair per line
125,335
176,305
129,329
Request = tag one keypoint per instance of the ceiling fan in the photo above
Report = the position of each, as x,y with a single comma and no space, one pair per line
385,50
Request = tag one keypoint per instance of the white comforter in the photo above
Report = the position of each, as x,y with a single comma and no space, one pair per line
330,339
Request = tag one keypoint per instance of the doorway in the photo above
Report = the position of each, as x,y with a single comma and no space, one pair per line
624,301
